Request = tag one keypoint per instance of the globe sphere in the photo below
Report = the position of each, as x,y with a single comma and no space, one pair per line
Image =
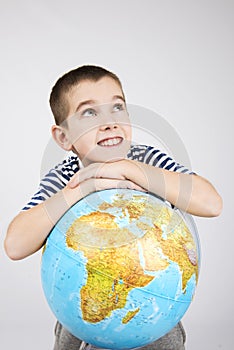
120,268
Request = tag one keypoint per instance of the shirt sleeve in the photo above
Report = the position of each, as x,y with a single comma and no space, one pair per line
155,157
54,181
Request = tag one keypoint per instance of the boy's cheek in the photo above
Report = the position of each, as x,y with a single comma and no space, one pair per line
78,128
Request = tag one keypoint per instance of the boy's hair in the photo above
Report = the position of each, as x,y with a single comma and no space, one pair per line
58,98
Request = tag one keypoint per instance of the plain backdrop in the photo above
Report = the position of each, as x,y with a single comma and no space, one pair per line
173,57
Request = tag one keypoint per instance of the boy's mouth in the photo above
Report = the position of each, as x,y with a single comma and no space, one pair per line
112,141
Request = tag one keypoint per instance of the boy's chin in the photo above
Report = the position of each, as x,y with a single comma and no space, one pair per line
103,154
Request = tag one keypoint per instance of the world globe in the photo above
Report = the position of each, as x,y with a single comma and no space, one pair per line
120,268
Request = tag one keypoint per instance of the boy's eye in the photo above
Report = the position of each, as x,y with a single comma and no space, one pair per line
118,107
90,112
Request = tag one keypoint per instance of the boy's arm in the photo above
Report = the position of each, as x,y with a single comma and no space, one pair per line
29,229
191,193
188,192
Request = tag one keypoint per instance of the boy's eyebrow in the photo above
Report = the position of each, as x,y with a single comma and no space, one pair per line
94,102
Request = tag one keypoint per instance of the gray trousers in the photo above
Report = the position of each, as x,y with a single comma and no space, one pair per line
174,340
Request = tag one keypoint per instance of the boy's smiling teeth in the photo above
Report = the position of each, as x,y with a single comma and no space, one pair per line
110,142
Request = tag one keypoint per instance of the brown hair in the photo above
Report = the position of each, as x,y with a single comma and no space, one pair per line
58,97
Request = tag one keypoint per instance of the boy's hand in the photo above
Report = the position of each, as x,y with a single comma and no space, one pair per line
93,185
114,170
72,195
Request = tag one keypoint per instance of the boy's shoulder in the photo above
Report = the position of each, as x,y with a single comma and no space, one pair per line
63,171
71,162
139,152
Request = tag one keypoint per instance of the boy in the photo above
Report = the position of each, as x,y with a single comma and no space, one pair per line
91,118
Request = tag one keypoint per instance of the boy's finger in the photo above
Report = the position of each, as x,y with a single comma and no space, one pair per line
79,177
74,182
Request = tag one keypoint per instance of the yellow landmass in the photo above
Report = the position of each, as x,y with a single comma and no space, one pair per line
130,315
133,208
99,220
175,248
97,228
151,249
177,245
113,261
111,273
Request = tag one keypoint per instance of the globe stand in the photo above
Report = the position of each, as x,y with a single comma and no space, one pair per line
86,346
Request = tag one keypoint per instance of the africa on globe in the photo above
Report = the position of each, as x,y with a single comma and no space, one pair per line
120,268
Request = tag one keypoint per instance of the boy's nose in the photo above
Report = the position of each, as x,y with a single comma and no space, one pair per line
108,126
108,122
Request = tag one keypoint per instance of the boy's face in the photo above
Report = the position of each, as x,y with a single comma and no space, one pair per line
98,125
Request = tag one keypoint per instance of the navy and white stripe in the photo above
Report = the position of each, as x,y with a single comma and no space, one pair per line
155,157
58,177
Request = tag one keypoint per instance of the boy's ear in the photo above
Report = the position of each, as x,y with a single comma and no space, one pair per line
61,138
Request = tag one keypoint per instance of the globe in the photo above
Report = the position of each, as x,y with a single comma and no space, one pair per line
120,268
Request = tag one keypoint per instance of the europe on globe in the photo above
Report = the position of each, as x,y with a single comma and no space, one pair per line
120,268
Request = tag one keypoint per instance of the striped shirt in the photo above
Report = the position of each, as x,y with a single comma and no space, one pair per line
58,177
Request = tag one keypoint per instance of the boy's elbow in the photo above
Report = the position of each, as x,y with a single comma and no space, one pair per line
207,198
10,244
10,250
214,206
219,206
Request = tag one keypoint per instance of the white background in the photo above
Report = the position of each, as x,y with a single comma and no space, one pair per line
174,57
